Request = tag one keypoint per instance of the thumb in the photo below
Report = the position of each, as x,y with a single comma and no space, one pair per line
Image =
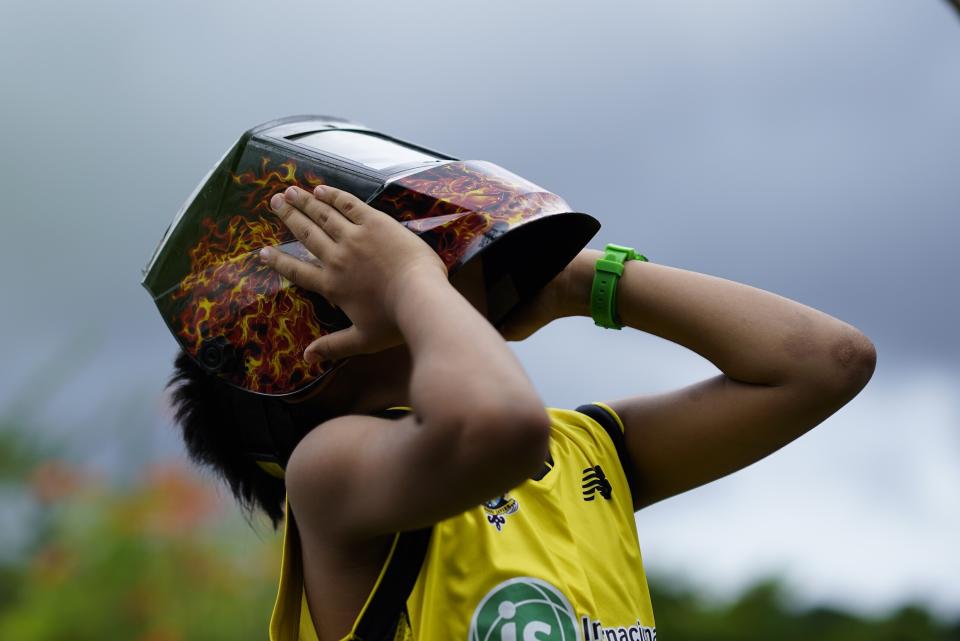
335,346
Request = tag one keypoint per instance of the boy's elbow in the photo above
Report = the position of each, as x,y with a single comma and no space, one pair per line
516,440
851,362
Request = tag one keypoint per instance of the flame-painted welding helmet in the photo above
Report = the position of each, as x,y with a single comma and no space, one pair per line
241,321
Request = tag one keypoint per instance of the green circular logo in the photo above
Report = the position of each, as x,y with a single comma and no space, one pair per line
524,609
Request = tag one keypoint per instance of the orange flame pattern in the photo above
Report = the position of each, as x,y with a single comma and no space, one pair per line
228,293
262,322
454,206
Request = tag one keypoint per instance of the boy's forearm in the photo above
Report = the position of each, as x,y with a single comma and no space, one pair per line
751,335
461,364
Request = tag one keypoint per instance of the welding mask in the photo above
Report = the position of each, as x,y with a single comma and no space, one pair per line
244,323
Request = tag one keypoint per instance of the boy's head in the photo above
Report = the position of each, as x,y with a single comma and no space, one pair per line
219,423
243,393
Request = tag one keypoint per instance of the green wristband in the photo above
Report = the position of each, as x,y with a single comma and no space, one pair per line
603,295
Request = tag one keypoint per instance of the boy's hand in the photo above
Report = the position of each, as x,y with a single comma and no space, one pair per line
550,303
366,260
525,319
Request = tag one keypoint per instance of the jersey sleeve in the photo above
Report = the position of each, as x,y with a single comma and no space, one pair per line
613,426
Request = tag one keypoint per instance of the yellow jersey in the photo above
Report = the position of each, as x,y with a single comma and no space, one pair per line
557,558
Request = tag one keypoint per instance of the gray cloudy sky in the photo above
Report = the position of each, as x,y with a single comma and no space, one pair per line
805,147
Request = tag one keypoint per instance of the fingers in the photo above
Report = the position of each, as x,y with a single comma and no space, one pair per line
323,215
319,212
313,237
351,207
341,344
305,230
295,270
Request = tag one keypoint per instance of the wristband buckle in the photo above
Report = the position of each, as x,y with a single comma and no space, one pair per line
608,271
621,253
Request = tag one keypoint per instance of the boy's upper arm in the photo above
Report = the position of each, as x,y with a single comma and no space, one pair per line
682,439
359,476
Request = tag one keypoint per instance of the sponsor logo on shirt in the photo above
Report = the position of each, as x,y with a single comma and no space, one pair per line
530,609
524,609
595,631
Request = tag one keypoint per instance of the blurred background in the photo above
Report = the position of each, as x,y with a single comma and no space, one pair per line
806,147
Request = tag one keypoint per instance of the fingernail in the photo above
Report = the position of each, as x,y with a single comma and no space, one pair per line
291,191
318,191
265,253
276,202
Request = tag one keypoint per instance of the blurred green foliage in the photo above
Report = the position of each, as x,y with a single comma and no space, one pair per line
167,558
164,559
766,613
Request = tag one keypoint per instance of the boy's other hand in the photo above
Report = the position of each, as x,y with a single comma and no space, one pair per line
366,261
549,304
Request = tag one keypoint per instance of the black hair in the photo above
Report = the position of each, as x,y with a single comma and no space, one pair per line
210,435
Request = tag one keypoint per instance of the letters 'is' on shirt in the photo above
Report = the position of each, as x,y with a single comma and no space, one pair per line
556,558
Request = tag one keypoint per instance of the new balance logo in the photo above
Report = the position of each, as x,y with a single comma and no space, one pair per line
594,481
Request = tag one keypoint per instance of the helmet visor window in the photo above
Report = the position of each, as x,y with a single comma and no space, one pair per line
373,151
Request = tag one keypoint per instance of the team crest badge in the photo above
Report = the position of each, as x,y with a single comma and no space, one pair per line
499,509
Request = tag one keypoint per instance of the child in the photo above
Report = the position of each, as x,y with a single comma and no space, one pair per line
438,499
